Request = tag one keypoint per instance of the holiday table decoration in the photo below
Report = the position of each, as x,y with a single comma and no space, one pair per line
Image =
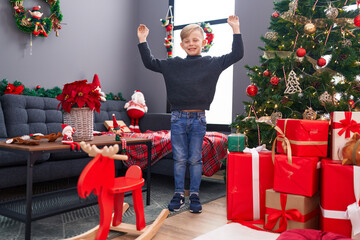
304,138
340,195
249,174
79,99
343,127
36,25
290,211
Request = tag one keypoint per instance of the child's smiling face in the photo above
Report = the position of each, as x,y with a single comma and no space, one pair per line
193,43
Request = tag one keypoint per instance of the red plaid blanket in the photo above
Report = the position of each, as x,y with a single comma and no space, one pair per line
214,149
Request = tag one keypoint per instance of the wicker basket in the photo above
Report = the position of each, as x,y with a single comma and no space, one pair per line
82,119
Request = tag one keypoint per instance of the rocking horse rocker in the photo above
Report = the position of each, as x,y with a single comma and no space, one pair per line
99,177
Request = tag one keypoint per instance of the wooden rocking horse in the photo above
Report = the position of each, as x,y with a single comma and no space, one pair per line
99,177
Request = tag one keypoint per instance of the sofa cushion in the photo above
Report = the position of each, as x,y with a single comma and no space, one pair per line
3,133
29,114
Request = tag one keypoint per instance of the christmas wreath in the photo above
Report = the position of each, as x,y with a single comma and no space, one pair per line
167,23
209,36
35,24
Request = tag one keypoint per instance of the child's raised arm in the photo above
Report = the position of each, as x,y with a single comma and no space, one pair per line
142,33
234,23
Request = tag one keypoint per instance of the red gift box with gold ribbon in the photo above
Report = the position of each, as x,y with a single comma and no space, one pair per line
248,177
343,127
340,194
296,175
290,211
307,138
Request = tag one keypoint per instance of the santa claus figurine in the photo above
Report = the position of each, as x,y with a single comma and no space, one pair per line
67,133
136,109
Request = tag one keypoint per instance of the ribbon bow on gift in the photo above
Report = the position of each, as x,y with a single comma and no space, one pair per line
347,125
283,215
256,177
111,128
285,144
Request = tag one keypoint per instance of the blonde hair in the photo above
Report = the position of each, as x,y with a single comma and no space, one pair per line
185,32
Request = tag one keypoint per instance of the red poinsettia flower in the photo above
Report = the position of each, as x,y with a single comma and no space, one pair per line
80,94
12,89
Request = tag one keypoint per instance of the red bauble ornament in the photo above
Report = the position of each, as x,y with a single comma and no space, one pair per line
321,62
38,87
300,52
274,80
8,88
351,103
252,90
266,73
357,21
275,14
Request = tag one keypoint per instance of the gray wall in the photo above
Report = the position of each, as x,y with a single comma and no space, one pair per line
96,37
100,37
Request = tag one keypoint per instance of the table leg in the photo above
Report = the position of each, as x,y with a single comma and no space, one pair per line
31,159
148,173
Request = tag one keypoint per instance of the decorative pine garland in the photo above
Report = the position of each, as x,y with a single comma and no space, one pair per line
24,23
18,88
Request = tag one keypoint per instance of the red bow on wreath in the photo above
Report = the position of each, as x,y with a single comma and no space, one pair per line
347,125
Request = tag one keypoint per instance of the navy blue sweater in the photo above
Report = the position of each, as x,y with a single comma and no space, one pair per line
191,82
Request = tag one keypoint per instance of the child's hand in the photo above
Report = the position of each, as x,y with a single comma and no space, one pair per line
142,33
234,23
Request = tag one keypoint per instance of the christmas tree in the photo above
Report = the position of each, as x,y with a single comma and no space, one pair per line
310,66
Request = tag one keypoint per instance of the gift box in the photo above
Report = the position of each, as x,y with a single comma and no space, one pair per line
290,211
296,175
343,127
236,142
307,138
109,125
340,194
248,177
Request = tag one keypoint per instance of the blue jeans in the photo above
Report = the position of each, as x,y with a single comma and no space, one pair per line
187,134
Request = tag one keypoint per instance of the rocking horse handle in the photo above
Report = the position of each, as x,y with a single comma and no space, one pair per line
110,152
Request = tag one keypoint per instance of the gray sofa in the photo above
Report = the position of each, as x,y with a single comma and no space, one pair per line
22,115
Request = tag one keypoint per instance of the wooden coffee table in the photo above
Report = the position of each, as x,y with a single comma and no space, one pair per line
32,154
